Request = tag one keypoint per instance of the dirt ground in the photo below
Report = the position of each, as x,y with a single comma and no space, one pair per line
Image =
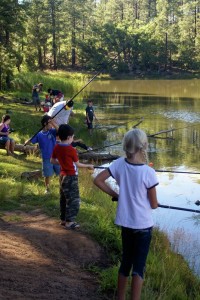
39,259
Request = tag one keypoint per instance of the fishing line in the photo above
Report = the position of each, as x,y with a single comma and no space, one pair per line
123,124
162,171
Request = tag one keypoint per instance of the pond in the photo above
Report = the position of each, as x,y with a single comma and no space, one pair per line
160,105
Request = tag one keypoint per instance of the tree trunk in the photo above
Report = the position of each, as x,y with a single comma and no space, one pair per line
54,47
74,43
40,63
0,78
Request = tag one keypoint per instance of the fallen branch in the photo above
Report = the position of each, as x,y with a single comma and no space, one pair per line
31,175
160,132
134,126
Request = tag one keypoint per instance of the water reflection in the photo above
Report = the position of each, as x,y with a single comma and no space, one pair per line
164,105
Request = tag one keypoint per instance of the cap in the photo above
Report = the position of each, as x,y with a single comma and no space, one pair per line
70,103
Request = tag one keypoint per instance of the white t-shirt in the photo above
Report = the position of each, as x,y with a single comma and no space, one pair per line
62,114
133,210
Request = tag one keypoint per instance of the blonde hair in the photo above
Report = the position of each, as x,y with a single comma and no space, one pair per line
134,141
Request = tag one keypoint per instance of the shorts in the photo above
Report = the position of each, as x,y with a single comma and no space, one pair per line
89,125
4,139
135,245
36,100
49,169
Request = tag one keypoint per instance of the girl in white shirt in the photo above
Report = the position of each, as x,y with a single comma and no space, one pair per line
137,197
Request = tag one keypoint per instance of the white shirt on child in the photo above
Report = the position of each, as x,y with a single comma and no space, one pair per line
133,210
62,114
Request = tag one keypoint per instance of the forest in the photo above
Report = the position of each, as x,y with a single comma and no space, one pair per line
142,35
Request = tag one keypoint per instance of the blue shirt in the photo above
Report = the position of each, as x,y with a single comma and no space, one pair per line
46,141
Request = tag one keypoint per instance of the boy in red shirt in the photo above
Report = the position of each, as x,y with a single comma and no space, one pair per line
66,156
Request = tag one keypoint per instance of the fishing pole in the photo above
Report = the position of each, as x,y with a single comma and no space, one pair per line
115,199
162,171
179,208
71,99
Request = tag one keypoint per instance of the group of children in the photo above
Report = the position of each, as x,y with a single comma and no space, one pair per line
51,98
59,156
137,183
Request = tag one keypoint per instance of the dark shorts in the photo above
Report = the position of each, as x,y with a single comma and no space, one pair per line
135,247
36,100
89,125
4,139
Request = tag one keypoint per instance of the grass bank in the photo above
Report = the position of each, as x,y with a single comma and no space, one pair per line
168,276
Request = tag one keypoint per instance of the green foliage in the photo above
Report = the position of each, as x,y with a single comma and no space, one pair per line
146,36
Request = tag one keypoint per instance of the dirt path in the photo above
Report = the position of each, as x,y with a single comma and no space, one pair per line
41,260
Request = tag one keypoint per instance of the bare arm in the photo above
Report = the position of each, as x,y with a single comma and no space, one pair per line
100,182
153,198
94,115
87,117
54,124
54,161
72,114
3,133
80,165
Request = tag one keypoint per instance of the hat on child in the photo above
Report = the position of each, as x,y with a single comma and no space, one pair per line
70,103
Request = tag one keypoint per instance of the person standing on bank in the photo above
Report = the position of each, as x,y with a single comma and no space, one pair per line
46,140
66,155
37,88
136,198
90,115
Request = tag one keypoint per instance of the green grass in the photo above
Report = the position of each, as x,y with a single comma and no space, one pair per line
167,276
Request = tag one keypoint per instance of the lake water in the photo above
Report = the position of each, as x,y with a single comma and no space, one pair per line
163,105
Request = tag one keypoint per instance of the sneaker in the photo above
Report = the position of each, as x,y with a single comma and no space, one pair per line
72,225
89,149
47,191
62,223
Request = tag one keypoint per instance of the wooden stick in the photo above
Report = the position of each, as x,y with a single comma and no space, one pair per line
160,132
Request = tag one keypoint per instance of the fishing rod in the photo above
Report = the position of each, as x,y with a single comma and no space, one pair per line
162,171
178,208
115,199
71,99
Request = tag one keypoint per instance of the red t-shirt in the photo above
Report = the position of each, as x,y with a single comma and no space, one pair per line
67,156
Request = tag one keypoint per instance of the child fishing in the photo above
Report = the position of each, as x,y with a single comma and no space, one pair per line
46,139
136,198
66,155
90,115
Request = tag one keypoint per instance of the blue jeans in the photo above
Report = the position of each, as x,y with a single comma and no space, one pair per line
135,246
4,139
